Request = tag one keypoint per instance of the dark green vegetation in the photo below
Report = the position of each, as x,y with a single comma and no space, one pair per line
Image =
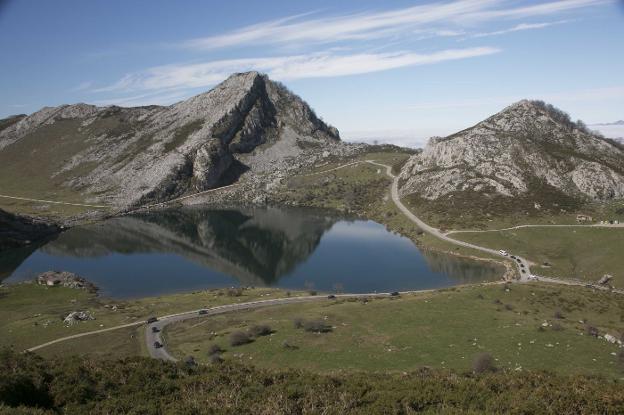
524,327
142,386
583,253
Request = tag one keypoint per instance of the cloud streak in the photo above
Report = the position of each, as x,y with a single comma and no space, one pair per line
315,65
376,25
519,28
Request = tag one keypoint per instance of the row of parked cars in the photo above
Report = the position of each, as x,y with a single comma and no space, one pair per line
522,267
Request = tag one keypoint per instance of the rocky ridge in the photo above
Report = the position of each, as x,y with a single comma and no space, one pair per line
528,148
128,157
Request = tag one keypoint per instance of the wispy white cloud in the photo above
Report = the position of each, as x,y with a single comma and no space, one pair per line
376,25
519,28
314,65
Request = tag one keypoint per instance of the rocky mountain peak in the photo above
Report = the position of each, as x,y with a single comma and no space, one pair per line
134,156
526,146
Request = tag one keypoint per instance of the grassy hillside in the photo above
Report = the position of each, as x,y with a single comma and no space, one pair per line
584,253
31,385
444,329
31,314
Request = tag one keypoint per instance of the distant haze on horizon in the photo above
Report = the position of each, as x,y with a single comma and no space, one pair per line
396,73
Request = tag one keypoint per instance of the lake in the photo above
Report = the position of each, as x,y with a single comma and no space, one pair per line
189,249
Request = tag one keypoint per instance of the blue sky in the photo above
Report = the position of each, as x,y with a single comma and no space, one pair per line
395,70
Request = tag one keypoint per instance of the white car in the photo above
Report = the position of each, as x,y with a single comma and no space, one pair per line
533,277
503,253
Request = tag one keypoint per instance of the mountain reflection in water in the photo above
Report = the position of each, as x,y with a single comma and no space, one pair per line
194,248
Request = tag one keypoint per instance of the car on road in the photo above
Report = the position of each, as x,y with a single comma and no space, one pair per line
331,296
152,320
202,312
155,329
157,345
503,252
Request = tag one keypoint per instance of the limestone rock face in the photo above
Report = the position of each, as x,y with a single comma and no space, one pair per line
527,145
128,157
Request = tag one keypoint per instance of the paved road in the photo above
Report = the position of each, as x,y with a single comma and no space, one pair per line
596,225
152,336
521,263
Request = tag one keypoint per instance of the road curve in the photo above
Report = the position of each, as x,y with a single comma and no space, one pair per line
521,263
153,331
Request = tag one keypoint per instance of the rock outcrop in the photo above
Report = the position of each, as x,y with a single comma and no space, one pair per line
530,148
129,157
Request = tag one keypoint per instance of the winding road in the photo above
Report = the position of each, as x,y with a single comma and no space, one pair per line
156,345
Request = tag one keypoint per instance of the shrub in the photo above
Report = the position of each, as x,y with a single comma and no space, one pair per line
558,314
591,330
508,307
214,349
234,292
483,363
239,338
557,327
287,345
298,322
260,330
316,326
216,358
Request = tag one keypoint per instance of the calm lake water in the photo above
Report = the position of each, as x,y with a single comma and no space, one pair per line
190,249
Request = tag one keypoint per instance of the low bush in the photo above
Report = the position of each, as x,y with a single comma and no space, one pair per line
214,349
238,338
316,326
591,330
298,322
483,363
73,385
260,330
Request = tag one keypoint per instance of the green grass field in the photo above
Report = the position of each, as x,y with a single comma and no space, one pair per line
444,329
31,314
584,253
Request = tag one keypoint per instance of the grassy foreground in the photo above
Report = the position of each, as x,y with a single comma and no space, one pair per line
524,327
583,253
31,385
31,314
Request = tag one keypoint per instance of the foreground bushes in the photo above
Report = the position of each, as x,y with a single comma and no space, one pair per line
141,385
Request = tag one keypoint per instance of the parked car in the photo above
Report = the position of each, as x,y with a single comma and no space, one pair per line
503,252
202,312
152,320
513,257
533,277
524,271
155,329
331,296
157,345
